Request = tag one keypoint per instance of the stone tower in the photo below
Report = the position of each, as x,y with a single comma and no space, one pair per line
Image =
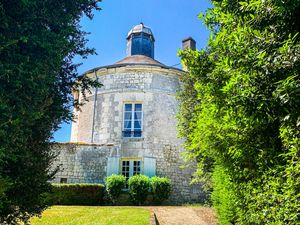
128,126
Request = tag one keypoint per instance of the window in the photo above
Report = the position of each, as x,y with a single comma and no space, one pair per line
133,117
63,180
130,168
136,167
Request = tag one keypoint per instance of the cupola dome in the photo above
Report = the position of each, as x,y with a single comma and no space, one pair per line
140,41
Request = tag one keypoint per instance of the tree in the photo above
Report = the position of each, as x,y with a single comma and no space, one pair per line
247,119
38,40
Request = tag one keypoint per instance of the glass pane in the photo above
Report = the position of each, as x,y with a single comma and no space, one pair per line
127,133
136,167
137,124
127,124
137,133
138,107
125,171
128,107
124,164
127,116
136,163
138,115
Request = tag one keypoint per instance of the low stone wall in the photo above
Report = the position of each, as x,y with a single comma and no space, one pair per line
87,163
81,163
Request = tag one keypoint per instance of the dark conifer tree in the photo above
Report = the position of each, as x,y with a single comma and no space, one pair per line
38,40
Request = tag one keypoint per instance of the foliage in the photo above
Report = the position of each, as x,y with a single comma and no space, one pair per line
189,100
76,194
245,118
38,41
114,185
74,215
161,188
138,188
223,197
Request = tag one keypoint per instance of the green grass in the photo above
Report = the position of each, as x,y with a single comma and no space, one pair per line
85,215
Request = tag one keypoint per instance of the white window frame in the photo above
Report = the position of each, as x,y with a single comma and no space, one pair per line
131,165
132,118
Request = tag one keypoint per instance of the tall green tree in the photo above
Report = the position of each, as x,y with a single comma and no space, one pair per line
248,110
38,40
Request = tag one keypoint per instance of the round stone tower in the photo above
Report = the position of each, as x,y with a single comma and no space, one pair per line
132,117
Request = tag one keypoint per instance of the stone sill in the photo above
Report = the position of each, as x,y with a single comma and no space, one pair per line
139,139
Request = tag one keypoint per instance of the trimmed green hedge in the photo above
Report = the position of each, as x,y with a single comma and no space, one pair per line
76,194
142,190
139,187
161,188
114,186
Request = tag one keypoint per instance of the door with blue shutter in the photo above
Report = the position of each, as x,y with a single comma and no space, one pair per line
112,165
149,167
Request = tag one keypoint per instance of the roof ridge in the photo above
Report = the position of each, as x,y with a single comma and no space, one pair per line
138,59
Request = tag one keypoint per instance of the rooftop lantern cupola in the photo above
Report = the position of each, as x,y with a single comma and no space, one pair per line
140,41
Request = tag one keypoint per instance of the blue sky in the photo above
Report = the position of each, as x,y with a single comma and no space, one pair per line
170,21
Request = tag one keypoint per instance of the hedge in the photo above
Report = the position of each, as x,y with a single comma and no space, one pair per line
76,194
223,196
139,187
114,186
161,188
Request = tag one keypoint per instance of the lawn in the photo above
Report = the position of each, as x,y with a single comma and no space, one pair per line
81,215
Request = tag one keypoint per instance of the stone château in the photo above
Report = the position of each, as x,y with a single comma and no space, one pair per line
128,126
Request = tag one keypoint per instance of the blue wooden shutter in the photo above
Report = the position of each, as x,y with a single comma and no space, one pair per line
112,165
150,167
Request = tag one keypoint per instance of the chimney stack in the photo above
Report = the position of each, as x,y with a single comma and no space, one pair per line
188,43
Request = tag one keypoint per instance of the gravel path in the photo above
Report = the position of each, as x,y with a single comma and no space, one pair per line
168,215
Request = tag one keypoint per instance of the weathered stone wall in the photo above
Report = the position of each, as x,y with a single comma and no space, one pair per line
87,163
82,163
156,89
121,85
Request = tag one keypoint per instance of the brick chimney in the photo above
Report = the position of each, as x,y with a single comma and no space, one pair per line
188,43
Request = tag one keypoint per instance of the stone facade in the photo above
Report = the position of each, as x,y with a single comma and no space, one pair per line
99,128
81,163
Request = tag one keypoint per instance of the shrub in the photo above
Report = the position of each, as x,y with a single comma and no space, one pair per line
76,194
138,188
161,188
223,196
244,115
114,185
